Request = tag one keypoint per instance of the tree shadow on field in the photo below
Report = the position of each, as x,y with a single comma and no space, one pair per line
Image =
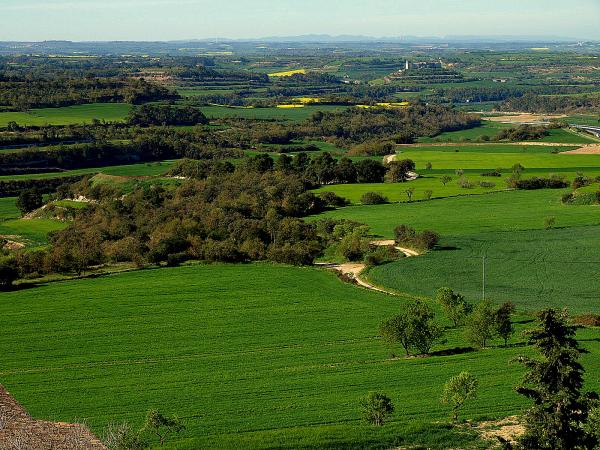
446,248
453,351
20,287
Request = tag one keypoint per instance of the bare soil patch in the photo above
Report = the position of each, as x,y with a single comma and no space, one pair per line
509,429
519,118
593,149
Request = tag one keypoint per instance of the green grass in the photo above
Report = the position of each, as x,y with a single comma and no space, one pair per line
130,170
33,231
491,148
291,114
246,355
112,112
459,216
534,269
8,208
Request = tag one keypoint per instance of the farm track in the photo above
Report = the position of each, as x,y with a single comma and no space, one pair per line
354,270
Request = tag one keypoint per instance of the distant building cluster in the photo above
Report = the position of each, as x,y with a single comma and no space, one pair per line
422,65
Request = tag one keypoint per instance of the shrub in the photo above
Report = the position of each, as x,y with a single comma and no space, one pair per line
428,194
332,199
465,183
376,407
383,254
373,198
487,184
495,173
446,179
541,183
549,222
425,240
580,181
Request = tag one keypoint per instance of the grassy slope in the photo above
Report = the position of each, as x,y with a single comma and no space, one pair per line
68,115
459,216
535,269
131,170
245,354
33,231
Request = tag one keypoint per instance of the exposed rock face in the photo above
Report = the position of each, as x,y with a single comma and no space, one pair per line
19,431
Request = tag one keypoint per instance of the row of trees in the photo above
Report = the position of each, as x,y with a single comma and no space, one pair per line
25,94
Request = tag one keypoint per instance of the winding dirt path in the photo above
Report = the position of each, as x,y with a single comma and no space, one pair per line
354,270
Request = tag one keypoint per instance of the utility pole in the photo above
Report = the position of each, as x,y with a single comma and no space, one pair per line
483,277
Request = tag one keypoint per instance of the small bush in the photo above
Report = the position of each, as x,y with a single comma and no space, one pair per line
383,254
487,184
376,407
465,183
334,200
373,198
495,173
549,222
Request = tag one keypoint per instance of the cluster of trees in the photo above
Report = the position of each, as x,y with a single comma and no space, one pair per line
202,73
13,188
153,144
522,133
549,104
233,217
41,93
416,329
148,115
400,125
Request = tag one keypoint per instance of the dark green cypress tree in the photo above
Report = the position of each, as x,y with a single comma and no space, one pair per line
554,382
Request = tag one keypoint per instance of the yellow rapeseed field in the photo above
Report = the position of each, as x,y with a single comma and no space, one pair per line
288,73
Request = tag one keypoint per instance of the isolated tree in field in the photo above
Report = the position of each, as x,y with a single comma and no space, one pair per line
480,324
409,193
554,383
162,426
445,179
549,222
427,194
454,305
458,390
29,200
414,328
503,322
376,407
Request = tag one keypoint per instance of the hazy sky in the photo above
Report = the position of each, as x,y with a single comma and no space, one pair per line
188,19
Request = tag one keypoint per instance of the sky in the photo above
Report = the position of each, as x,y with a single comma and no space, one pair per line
147,20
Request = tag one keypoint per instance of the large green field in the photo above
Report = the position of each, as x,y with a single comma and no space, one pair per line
534,269
246,355
112,112
459,216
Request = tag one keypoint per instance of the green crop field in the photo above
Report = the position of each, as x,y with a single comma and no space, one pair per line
246,355
112,112
534,269
482,160
459,216
8,208
291,114
489,148
33,231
